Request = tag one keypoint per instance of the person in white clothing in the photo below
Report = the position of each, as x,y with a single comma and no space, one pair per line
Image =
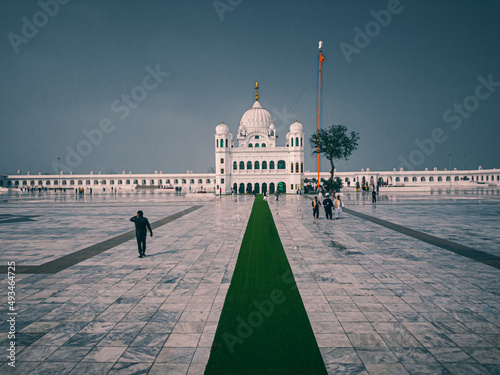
338,207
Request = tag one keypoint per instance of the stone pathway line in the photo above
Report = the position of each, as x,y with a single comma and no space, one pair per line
477,255
79,256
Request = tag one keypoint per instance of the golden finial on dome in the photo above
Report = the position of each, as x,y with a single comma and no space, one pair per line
256,91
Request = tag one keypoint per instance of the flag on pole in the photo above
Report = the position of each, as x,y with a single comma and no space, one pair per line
321,58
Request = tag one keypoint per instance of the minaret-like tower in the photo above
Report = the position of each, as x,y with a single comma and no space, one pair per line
295,140
223,144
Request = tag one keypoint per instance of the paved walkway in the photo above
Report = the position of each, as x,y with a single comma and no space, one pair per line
380,302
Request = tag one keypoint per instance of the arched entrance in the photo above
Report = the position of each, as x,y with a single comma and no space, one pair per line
264,187
241,190
249,187
235,187
271,188
282,187
257,188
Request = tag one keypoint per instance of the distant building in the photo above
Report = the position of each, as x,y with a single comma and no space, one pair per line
252,162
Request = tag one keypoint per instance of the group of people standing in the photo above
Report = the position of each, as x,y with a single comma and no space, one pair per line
328,205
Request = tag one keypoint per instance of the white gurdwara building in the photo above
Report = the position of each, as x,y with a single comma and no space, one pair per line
254,162
251,162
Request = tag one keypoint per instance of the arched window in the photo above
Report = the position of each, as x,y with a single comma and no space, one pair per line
281,164
300,141
296,167
55,183
208,180
448,178
136,182
217,143
271,188
405,179
200,181
250,145
297,141
263,145
264,164
192,181
431,178
457,178
256,165
64,182
257,145
176,181
249,187
103,182
183,180
422,179
242,165
80,182
112,182
271,164
301,167
397,179
152,182
414,179
440,178
241,188
72,182
249,164
40,183
291,167
127,182
48,183
235,165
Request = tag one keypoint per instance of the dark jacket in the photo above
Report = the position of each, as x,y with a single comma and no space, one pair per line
318,203
141,223
328,204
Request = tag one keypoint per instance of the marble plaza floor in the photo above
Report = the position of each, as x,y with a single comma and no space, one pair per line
379,301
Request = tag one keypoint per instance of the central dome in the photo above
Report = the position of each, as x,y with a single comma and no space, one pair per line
256,118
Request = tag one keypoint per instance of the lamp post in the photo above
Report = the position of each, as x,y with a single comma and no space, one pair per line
59,173
450,172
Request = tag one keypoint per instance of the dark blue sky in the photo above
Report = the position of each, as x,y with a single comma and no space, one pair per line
417,76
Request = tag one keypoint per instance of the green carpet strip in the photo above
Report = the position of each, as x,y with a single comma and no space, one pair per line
263,328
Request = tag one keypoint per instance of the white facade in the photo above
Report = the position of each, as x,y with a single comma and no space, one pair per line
254,162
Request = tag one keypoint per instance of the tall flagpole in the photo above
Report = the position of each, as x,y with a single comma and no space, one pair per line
319,106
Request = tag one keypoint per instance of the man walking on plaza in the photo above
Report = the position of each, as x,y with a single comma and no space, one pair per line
315,206
141,228
327,205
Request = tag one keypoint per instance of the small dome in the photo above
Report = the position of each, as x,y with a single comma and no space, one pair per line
296,127
222,129
256,118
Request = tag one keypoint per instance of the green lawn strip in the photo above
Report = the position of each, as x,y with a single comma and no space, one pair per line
263,328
